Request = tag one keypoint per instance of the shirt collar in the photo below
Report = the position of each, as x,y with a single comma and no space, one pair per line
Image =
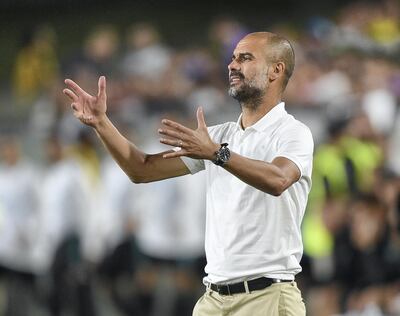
268,119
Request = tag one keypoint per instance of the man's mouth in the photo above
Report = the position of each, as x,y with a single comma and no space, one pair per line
235,78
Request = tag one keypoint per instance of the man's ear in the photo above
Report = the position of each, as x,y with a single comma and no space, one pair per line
278,70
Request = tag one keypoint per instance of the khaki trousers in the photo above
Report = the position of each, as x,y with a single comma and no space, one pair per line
279,299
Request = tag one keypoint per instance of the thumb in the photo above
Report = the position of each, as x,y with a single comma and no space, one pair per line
102,87
200,118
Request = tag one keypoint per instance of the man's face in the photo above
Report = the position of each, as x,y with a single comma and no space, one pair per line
366,226
248,71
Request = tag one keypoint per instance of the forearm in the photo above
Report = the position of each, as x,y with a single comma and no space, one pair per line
139,166
267,177
126,154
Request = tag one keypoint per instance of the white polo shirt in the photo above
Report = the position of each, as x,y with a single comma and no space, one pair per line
250,233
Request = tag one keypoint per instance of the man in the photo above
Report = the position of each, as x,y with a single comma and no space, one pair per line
258,178
19,213
65,203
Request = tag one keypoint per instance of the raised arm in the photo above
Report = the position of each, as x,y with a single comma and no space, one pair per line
139,166
273,178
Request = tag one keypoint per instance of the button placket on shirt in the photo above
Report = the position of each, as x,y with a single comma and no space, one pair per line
242,137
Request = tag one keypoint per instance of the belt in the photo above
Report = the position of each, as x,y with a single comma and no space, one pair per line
252,285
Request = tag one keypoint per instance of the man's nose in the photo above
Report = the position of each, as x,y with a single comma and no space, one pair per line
233,66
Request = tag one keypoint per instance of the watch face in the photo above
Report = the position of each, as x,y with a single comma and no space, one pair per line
225,154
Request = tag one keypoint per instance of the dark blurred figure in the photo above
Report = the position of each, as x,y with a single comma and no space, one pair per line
146,57
152,70
366,260
36,66
344,167
207,88
98,55
224,33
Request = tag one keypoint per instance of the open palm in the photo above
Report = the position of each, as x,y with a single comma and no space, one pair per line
89,109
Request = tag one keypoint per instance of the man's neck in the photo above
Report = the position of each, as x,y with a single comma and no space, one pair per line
252,115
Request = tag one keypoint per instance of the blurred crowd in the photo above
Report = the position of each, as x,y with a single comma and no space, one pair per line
78,238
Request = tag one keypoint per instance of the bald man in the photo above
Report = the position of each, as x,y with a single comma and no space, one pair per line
258,172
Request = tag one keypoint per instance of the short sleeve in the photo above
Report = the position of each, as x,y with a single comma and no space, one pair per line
296,144
194,165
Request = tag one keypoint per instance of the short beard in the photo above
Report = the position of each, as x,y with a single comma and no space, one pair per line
250,95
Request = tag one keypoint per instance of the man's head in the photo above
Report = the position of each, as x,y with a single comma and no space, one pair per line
260,61
368,222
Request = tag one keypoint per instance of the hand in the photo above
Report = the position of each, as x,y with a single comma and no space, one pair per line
195,144
90,110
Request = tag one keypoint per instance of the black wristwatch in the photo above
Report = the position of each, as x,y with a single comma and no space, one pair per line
222,155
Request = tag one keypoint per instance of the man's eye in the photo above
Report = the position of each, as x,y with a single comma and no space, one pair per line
241,58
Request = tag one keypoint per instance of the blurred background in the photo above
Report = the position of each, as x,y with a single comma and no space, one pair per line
78,238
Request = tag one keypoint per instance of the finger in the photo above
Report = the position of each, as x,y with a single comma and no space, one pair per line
172,142
86,119
77,114
177,126
201,122
175,154
74,107
71,95
102,87
76,88
174,134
